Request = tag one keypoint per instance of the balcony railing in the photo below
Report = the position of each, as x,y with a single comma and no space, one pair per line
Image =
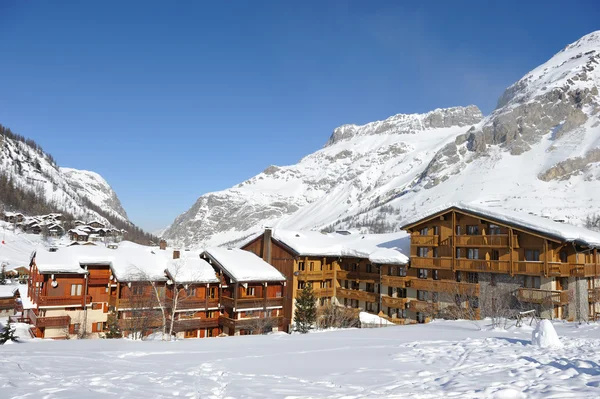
355,275
424,241
58,321
315,275
64,300
323,292
251,303
500,240
397,303
99,280
533,295
431,263
529,268
585,269
355,294
396,320
249,323
594,295
136,302
450,287
192,324
195,303
421,306
482,265
395,281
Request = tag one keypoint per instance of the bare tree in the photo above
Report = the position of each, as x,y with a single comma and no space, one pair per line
499,304
140,316
262,324
334,316
462,303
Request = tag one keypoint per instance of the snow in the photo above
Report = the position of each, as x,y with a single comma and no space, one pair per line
437,360
373,320
243,266
378,248
563,231
190,268
544,335
8,290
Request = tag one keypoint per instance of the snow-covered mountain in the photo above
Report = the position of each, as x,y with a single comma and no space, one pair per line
66,189
539,151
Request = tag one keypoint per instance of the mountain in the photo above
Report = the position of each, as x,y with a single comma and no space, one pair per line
31,170
538,151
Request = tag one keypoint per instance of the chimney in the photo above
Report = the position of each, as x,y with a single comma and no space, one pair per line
162,244
267,244
176,254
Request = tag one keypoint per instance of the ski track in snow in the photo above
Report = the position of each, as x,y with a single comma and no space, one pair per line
442,359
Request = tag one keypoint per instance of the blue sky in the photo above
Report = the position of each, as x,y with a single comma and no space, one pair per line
170,100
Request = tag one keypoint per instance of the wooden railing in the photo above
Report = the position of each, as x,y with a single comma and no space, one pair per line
192,324
559,269
533,295
500,240
193,303
395,281
424,241
397,303
530,268
322,292
248,323
315,275
63,300
421,306
98,280
355,294
431,263
594,295
585,269
142,302
250,303
451,287
58,321
362,276
396,320
482,265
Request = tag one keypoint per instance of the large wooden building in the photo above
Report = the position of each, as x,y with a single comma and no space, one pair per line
472,257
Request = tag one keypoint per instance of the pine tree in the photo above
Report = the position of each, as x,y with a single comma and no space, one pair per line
7,334
306,310
113,328
3,274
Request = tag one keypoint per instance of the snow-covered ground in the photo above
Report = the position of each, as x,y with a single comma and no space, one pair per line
441,359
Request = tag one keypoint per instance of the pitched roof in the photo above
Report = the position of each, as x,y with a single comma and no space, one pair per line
243,266
541,225
190,268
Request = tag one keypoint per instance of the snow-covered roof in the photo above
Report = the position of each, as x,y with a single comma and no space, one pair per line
8,290
129,262
541,225
190,268
389,248
243,266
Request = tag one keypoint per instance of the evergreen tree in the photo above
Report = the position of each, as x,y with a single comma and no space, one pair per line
7,334
113,328
3,274
306,310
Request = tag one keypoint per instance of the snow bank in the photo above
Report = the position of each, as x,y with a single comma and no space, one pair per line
372,319
545,335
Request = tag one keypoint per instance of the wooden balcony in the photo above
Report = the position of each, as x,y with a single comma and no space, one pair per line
323,292
533,295
585,269
318,275
139,323
395,281
396,320
357,276
185,304
355,294
249,323
482,265
594,295
64,300
559,269
98,280
193,324
53,322
492,241
529,268
424,241
431,263
421,306
450,287
390,302
145,302
251,303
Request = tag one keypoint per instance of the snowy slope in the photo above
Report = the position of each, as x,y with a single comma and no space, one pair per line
538,152
34,170
443,359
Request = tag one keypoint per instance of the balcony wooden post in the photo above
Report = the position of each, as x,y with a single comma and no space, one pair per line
235,296
265,297
453,241
545,258
510,250
206,296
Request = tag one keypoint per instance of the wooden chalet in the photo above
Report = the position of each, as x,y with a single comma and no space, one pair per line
13,217
96,224
8,296
251,292
463,253
78,235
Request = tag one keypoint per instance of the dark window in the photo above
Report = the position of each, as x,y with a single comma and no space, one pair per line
402,271
458,229
422,252
355,267
493,280
422,295
472,277
369,268
390,291
436,230
473,230
435,274
494,230
434,297
458,276
495,255
312,266
458,253
435,252
422,273
563,256
532,255
300,265
424,231
473,253
370,287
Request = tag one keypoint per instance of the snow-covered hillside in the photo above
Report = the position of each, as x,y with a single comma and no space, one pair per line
539,152
437,360
64,188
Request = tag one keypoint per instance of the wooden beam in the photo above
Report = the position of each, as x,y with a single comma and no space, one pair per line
510,250
545,258
453,240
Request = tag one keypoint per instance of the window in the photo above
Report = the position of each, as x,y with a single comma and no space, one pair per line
193,292
391,291
76,289
301,285
355,267
472,277
250,291
402,271
422,295
370,307
355,285
459,253
532,282
137,290
401,292
424,231
473,253
321,266
458,277
190,334
312,266
435,274
435,297
532,255
212,292
420,318
99,326
211,314
473,302
369,268
493,280
495,255
436,230
323,284
422,252
563,256
494,230
301,266
422,273
458,231
473,230
435,252
370,287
